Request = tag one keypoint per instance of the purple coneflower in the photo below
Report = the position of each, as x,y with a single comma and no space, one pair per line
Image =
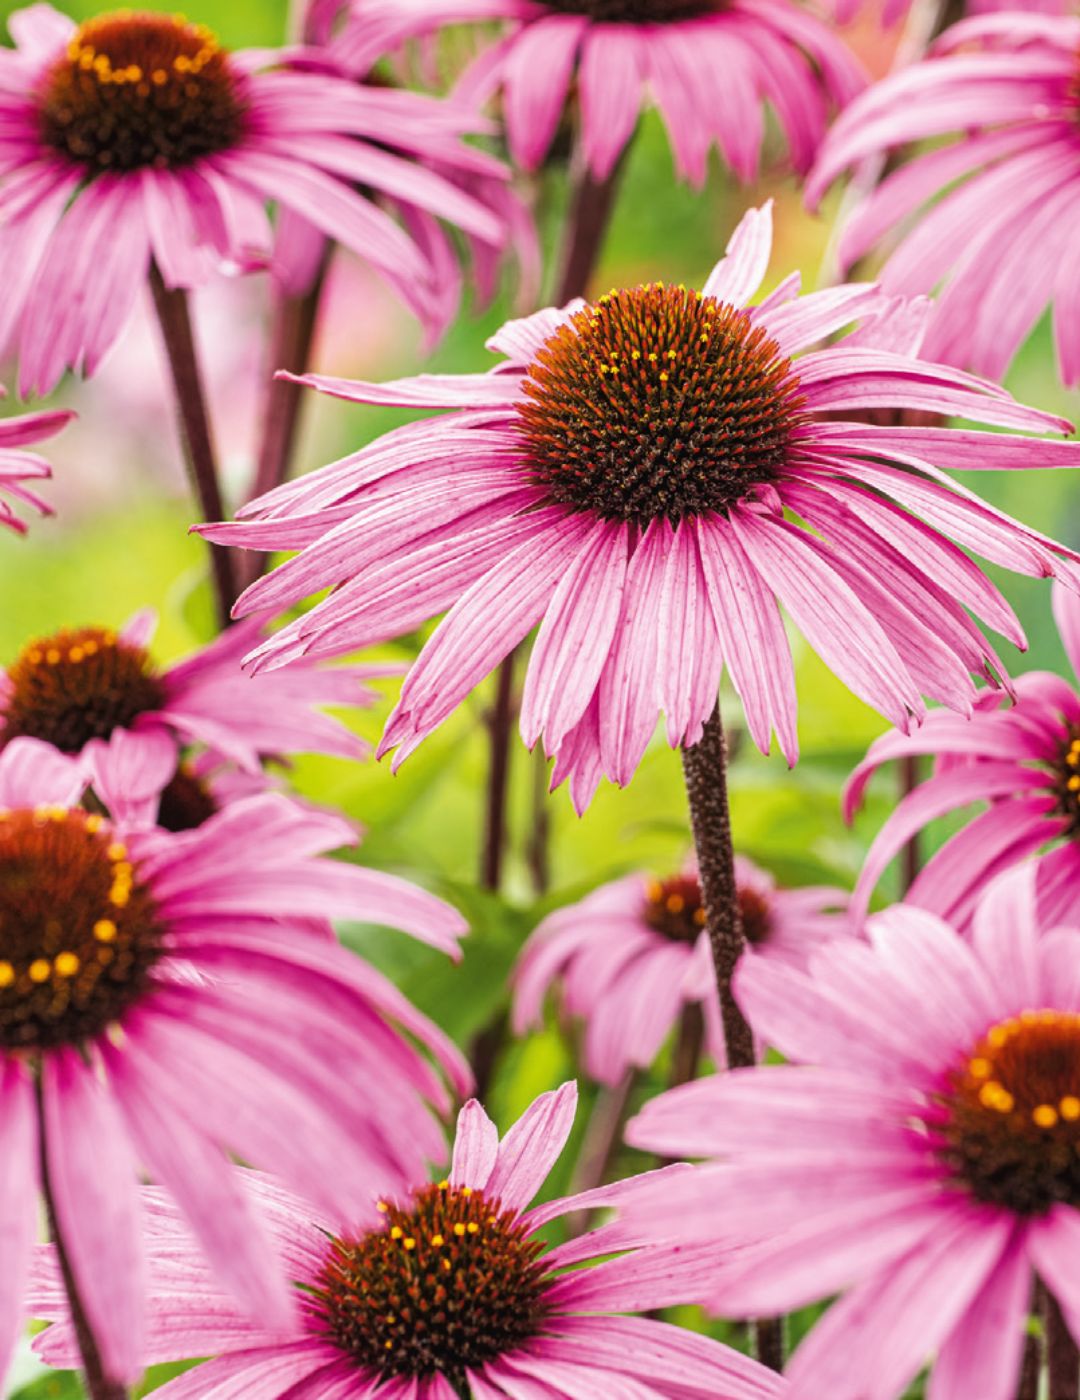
17,466
454,1294
631,957
613,51
146,979
920,1157
1023,761
998,242
135,139
626,478
82,686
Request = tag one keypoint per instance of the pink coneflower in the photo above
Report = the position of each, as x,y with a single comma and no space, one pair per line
613,51
164,998
134,138
17,466
998,242
83,685
454,1294
623,479
925,1168
631,956
1024,761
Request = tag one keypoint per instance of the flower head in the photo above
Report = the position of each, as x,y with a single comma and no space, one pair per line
614,51
919,1157
453,1294
626,478
997,243
1023,760
135,138
632,955
83,688
17,466
146,979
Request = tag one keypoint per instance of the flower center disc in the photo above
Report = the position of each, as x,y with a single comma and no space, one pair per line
1012,1114
79,931
186,802
657,402
77,686
1067,786
635,11
673,908
756,915
452,1282
137,89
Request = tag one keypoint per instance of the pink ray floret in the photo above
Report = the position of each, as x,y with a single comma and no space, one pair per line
523,1322
18,466
919,1156
633,955
617,54
176,997
987,216
1023,762
106,168
630,479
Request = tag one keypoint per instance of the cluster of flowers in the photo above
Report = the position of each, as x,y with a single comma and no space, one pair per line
645,479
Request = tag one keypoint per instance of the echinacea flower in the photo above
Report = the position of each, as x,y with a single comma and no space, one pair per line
998,241
921,1157
1023,761
135,138
613,52
624,479
17,466
81,686
454,1295
167,998
632,955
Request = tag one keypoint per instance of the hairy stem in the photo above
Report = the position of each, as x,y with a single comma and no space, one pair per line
500,729
174,318
705,769
98,1383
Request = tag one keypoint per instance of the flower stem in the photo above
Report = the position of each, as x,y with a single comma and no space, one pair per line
705,770
174,317
689,1041
1062,1355
291,338
601,1145
98,1383
1031,1368
537,852
591,203
500,729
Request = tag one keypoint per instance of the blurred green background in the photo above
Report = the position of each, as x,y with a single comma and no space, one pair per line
119,542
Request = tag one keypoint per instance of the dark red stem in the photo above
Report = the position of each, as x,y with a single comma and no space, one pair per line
500,729
910,856
1062,1355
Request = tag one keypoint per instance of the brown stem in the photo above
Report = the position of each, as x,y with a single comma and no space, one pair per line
100,1385
686,1056
538,849
591,204
601,1145
705,769
174,317
910,856
1062,1355
1031,1369
291,339
485,1050
500,729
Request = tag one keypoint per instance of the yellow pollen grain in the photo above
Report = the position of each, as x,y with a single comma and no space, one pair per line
1069,1108
1044,1115
980,1068
36,657
396,1232
120,895
474,1229
459,1230
58,814
391,1318
105,931
76,654
675,903
466,1191
446,1265
409,1243
117,850
444,1186
1074,783
663,376
66,964
382,1207
699,916
94,822
40,970
159,77
438,1241
389,1346
52,656
997,1037
994,1095
7,974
